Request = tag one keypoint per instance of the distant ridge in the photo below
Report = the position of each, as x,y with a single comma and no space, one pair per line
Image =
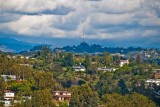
12,45
84,47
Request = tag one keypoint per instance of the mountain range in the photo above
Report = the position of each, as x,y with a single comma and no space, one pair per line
8,44
13,45
86,48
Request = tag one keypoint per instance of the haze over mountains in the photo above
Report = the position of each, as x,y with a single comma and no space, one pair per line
113,23
13,45
8,44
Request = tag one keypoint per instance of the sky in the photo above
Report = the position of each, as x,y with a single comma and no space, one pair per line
135,22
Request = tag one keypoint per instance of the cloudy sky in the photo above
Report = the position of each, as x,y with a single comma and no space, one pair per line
98,20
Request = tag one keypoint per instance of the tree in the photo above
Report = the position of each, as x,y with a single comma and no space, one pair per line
116,59
114,100
84,96
80,82
87,63
2,86
106,84
68,60
63,104
138,58
42,98
22,88
18,104
123,87
138,100
107,59
154,93
43,80
132,100
57,86
28,103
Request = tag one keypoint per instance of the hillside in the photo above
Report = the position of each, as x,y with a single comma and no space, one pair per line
13,45
86,48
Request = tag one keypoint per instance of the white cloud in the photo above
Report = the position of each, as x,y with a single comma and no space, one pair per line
120,6
32,6
34,25
97,19
151,33
150,22
111,19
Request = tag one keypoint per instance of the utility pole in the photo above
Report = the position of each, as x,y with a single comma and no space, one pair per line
83,37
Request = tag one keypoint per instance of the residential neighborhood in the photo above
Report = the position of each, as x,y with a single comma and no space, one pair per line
79,53
55,79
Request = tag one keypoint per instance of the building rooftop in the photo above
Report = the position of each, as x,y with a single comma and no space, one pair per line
62,91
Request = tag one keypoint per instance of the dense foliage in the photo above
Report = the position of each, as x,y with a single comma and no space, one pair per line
46,71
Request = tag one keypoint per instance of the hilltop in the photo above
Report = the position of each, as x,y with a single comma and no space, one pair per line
84,47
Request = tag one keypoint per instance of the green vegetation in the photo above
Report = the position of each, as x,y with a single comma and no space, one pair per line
2,86
46,71
132,100
84,96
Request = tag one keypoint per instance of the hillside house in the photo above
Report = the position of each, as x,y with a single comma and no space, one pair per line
7,98
62,95
6,103
79,68
157,75
150,82
8,95
9,77
123,62
106,69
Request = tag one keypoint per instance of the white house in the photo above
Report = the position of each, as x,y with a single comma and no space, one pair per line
9,77
123,62
27,97
6,103
106,69
151,81
7,98
79,68
8,95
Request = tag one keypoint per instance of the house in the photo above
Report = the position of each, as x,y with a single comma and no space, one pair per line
157,75
79,68
7,98
156,70
27,65
123,62
27,97
6,103
62,95
8,95
9,77
150,82
106,69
